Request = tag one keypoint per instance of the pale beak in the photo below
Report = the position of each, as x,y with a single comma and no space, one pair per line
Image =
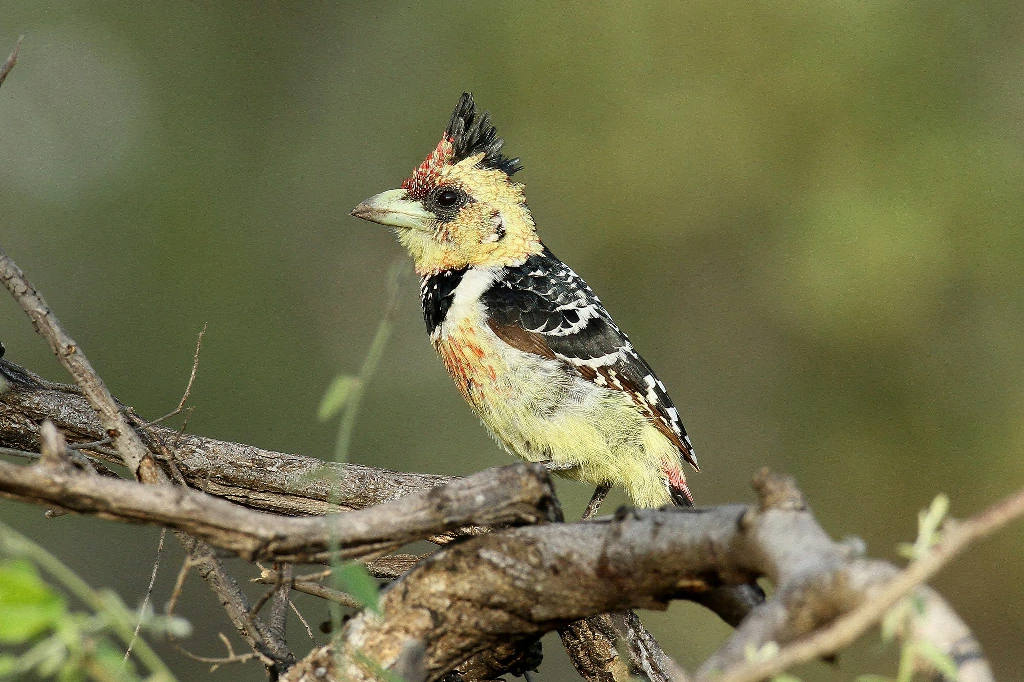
393,209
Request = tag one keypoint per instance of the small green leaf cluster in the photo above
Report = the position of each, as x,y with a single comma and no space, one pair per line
899,619
44,637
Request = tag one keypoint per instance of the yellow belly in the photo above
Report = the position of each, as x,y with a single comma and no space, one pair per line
543,410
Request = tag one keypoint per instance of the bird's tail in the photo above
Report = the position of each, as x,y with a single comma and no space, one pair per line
677,488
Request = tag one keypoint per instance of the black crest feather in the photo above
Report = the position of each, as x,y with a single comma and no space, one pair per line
471,135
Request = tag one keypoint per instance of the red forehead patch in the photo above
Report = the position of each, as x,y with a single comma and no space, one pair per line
424,178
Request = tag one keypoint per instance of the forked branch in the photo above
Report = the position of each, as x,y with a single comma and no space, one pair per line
520,583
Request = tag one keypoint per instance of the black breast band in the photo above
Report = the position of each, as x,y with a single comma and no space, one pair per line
436,294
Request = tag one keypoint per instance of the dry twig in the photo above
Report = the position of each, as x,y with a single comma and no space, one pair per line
149,593
188,386
514,494
11,60
259,479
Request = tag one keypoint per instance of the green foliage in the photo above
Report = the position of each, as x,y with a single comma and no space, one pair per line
899,619
343,397
28,606
345,393
939,660
928,523
337,395
58,642
354,579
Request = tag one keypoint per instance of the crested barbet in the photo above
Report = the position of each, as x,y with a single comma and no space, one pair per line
528,343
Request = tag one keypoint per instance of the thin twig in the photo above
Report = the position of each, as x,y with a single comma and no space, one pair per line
309,584
191,379
24,454
600,493
92,445
179,585
215,662
10,61
149,593
307,577
108,453
274,653
956,536
309,630
645,654
264,598
279,607
328,593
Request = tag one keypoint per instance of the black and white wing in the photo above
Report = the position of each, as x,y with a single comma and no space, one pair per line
543,307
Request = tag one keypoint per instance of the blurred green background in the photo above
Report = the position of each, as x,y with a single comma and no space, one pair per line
808,216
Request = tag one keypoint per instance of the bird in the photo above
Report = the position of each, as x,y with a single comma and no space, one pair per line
528,343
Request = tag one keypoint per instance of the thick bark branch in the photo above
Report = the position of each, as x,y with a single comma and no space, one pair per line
515,494
259,479
818,579
523,582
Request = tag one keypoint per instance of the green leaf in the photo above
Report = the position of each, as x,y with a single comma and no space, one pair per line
873,678
354,579
928,523
893,621
28,606
938,509
907,550
111,660
8,665
786,677
337,394
72,672
938,659
54,657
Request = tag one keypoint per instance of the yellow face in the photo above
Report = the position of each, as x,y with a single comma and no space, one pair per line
451,215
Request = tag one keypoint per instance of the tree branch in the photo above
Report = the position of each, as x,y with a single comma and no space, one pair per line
514,494
113,420
129,448
260,479
522,582
518,587
886,589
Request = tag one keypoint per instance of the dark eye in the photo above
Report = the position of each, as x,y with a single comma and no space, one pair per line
447,198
